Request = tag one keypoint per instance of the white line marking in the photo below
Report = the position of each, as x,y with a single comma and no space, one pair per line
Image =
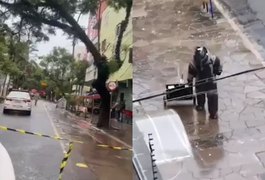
54,128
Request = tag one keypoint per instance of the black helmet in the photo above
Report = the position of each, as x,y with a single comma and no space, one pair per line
202,51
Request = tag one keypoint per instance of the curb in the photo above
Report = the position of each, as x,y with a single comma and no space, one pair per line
113,137
247,41
102,131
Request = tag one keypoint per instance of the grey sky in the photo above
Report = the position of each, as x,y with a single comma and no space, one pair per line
59,40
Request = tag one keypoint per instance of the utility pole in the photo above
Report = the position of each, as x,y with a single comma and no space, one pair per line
74,38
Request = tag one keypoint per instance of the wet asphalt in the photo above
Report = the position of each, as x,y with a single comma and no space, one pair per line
39,158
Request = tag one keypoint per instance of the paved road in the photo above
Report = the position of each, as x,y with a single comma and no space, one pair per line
39,158
33,157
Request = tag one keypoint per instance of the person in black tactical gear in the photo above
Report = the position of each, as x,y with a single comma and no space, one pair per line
204,69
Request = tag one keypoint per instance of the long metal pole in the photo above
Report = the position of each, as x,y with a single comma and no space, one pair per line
99,24
110,109
211,8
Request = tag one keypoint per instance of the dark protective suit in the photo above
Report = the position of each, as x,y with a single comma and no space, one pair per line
203,68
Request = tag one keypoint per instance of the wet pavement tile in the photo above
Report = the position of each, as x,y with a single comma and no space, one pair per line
233,146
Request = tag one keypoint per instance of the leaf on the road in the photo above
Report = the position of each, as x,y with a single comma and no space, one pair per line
81,165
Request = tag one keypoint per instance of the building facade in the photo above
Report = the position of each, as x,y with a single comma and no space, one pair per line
110,29
93,32
104,29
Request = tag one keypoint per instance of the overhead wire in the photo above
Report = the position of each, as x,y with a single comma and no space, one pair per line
198,83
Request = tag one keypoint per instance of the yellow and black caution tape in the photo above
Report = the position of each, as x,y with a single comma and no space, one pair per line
36,134
67,155
3,128
65,159
114,147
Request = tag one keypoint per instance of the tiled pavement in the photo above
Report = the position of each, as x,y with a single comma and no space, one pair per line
165,34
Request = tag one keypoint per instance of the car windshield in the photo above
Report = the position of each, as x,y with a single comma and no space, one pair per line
18,94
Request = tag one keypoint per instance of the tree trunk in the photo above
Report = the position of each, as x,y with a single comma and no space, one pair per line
8,84
99,62
100,85
99,25
4,86
103,120
82,89
79,90
123,27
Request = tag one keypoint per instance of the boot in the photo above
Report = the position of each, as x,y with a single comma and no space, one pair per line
213,116
199,108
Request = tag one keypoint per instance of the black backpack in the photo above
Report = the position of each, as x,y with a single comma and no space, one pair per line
210,68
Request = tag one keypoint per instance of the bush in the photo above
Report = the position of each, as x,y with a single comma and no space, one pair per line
73,101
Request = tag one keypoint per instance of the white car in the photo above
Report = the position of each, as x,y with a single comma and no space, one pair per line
18,101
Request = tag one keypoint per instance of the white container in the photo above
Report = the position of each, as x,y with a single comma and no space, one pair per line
6,167
169,135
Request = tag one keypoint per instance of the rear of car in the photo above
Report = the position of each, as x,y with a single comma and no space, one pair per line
18,101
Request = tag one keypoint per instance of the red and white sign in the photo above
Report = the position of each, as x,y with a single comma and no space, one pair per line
112,86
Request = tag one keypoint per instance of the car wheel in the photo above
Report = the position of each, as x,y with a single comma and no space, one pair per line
28,113
5,111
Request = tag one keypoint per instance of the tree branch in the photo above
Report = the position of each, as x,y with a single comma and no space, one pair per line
79,31
28,11
38,18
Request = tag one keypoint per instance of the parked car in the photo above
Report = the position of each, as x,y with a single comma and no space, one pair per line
18,101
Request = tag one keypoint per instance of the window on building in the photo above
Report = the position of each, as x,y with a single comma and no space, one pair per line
130,55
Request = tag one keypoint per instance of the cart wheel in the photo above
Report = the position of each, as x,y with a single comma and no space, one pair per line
194,101
96,111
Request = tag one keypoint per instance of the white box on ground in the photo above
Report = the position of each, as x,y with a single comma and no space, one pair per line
169,136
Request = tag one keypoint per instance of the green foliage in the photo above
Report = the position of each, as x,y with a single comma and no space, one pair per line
79,72
9,67
113,66
57,68
118,4
31,83
35,20
33,16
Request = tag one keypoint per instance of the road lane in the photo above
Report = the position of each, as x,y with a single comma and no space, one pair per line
33,157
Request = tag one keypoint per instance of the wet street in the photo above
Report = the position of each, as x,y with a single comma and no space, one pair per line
165,35
35,157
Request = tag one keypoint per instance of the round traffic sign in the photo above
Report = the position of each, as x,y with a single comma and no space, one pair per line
112,86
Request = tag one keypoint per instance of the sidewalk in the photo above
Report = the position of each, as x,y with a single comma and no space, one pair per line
249,17
116,164
232,147
124,134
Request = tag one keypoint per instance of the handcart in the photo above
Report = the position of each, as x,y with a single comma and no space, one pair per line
179,92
